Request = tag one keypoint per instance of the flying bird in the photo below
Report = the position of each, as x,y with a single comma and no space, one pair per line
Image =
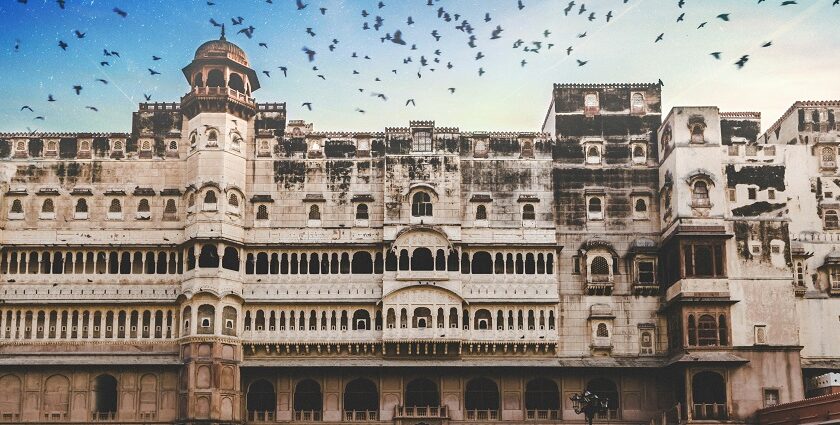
104,63
569,50
411,101
79,34
62,44
724,17
681,17
300,5
569,8
681,3
102,81
451,90
582,35
409,21
77,89
120,12
237,21
702,25
267,74
284,69
609,15
39,117
397,38
60,3
92,108
487,17
249,32
520,5
767,44
310,32
659,38
50,98
308,105
153,72
263,45
788,3
743,61
309,53
26,107
148,97
214,23
716,54
581,63
496,33
481,72
323,10
155,58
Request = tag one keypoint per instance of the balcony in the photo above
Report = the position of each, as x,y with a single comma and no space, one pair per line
482,415
103,416
542,415
599,284
439,412
261,416
709,411
360,415
645,288
609,415
218,91
308,415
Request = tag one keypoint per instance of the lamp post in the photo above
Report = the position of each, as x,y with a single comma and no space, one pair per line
589,404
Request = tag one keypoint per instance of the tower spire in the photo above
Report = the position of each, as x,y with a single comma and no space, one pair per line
223,33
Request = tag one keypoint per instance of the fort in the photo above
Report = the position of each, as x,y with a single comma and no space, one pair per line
222,264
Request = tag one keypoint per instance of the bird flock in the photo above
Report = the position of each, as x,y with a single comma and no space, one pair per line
422,54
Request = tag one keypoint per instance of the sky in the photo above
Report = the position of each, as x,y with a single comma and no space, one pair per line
802,63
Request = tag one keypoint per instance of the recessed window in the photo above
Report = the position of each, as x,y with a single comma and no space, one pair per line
16,211
733,195
233,202
830,220
205,323
827,157
173,145
48,206
639,155
771,397
421,205
81,210
640,209
421,141
646,272
480,149
595,208
212,138
599,267
362,212
314,212
228,324
481,213
143,210
170,209
646,342
593,155
703,259
115,210
760,332
590,104
262,212
755,249
637,103
528,212
700,194
601,331
751,193
210,200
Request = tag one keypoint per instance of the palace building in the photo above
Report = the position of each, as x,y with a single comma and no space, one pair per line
220,264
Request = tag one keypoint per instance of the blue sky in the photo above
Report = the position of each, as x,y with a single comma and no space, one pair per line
803,62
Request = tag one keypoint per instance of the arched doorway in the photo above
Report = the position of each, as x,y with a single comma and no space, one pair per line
605,388
481,399
542,399
308,401
421,392
104,397
261,401
708,392
361,400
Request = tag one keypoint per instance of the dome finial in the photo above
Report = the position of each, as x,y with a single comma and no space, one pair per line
223,33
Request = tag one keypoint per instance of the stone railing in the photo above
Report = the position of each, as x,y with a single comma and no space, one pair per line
421,412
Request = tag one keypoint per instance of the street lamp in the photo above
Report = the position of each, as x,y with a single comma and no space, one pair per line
589,404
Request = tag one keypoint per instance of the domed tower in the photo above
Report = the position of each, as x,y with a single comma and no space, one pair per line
220,115
219,111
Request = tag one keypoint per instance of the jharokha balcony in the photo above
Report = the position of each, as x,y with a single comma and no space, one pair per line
438,412
599,284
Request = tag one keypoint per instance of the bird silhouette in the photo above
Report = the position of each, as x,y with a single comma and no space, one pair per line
267,74
716,54
591,17
308,105
582,9
487,17
285,70
148,97
309,53
310,32
520,5
609,15
249,32
104,63
153,72
743,61
659,38
569,8
50,98
522,63
300,5
397,38
410,101
581,63
120,12
724,17
767,44
62,44
681,3
156,58
60,3
451,90
26,107
362,111
569,50
788,3
496,34
237,21
703,24
323,10
481,72
582,35
102,81
214,23
681,17
436,35
77,89
263,45
92,108
79,34
39,117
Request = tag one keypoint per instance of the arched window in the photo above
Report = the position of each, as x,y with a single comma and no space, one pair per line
481,395
827,156
361,263
421,205
697,130
360,395
230,260
261,400
170,207
595,208
115,207
707,332
235,82
541,394
17,207
593,155
637,103
173,145
590,103
208,257
262,212
638,154
361,320
708,391
641,206
143,206
105,397
482,263
422,318
308,401
421,392
198,80
233,200
830,219
314,212
483,320
215,78
605,389
528,212
700,194
422,260
81,206
421,141
601,331
210,197
48,207
361,212
481,212
600,266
